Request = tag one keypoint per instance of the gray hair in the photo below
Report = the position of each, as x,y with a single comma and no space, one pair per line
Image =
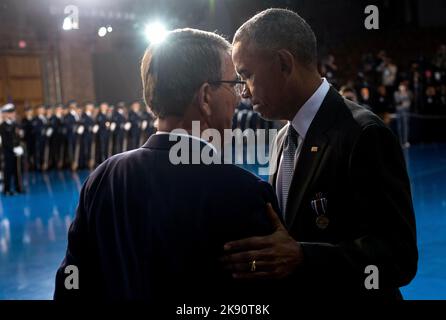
173,70
275,29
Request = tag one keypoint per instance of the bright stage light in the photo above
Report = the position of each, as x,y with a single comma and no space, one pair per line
155,32
102,31
109,29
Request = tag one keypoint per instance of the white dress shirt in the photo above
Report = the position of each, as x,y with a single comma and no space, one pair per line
301,122
189,136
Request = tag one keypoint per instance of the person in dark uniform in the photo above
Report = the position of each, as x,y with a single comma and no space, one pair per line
103,134
135,119
110,114
39,127
49,138
30,139
11,149
79,133
338,171
87,137
118,121
70,120
58,141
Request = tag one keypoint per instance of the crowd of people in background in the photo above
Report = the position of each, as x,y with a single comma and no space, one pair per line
395,91
71,136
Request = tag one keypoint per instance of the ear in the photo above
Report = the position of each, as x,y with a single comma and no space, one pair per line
204,98
286,61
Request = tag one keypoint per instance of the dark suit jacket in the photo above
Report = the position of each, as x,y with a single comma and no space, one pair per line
148,229
360,169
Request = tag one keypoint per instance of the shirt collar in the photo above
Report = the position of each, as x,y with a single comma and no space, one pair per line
189,136
303,118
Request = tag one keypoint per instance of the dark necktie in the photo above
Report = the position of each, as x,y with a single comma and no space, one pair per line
288,160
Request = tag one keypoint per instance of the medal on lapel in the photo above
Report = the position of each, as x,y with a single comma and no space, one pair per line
319,205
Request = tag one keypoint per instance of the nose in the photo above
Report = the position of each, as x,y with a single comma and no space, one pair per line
246,93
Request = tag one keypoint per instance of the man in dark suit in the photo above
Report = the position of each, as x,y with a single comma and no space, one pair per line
147,228
341,178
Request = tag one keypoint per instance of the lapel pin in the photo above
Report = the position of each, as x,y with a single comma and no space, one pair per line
314,149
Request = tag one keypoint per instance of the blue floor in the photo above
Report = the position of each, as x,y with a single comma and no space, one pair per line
33,228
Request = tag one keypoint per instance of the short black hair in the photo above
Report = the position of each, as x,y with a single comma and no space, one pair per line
276,29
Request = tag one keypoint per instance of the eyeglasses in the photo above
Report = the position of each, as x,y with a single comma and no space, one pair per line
238,85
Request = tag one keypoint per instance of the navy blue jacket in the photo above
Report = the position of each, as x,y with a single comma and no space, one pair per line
148,229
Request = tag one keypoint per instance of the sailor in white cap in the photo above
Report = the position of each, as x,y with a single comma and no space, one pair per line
12,151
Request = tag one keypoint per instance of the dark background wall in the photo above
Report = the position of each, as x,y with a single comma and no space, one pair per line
432,13
116,76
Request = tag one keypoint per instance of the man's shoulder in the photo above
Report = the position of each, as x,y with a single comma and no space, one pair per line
113,162
361,127
361,117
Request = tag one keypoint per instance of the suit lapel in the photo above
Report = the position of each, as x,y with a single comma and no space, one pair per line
312,154
304,172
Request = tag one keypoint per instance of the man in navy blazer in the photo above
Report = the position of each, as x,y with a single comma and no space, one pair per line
146,228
